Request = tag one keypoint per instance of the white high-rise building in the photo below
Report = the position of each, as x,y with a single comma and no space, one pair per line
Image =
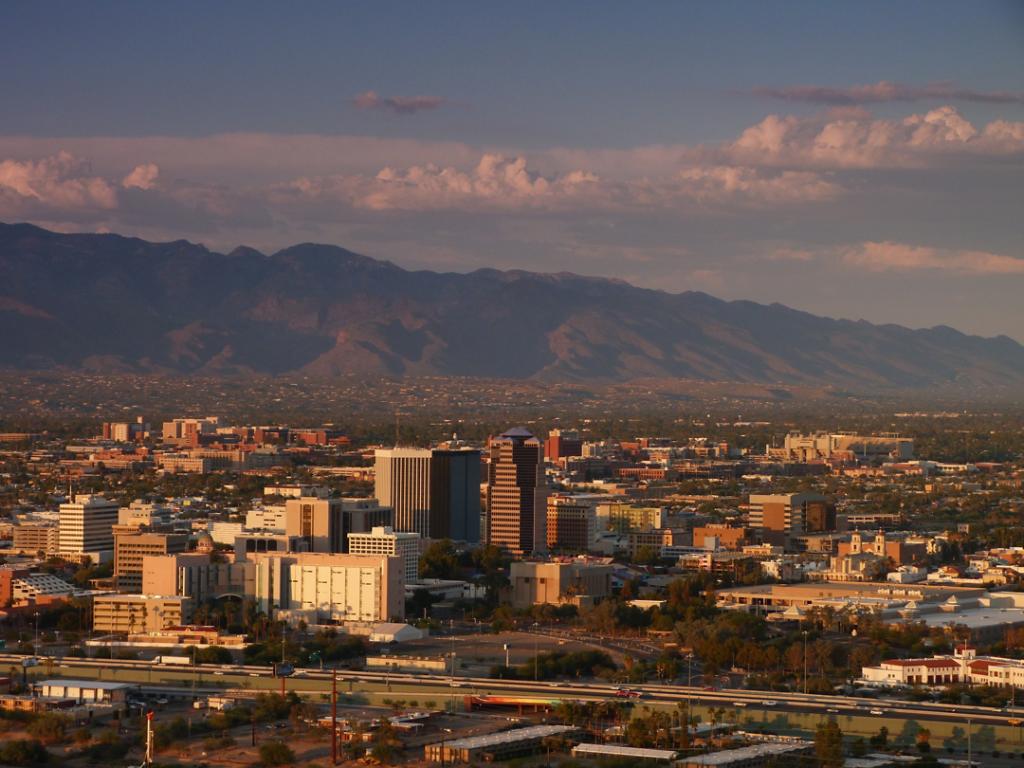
384,540
402,482
86,525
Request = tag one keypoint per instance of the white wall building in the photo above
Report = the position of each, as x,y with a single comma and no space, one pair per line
86,525
383,540
964,666
325,588
267,518
140,512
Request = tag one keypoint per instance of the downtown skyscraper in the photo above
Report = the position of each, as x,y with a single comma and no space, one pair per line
517,493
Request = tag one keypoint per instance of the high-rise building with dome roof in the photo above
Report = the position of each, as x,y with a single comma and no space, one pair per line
517,493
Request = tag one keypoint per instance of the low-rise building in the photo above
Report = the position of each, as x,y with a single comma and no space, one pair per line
85,691
963,666
36,537
128,614
556,583
131,546
494,747
751,756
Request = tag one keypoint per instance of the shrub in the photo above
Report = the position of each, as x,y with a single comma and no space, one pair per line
23,752
48,727
276,753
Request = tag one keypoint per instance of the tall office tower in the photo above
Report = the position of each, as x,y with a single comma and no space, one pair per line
324,524
402,482
517,493
86,525
455,494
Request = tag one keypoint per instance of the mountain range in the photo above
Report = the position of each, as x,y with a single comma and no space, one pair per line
103,302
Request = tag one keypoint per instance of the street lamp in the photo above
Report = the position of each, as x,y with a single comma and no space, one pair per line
35,643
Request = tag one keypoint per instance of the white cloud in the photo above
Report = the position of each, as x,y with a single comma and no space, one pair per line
60,181
142,177
496,182
888,256
856,140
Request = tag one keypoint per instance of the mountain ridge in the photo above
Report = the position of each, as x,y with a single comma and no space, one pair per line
107,301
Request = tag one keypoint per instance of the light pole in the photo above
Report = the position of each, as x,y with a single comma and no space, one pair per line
443,732
805,661
536,653
969,729
35,643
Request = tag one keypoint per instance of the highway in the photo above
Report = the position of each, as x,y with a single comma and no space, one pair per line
765,702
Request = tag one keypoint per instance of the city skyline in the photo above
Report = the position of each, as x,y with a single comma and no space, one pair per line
852,161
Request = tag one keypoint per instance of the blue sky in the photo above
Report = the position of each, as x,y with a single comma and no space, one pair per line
853,159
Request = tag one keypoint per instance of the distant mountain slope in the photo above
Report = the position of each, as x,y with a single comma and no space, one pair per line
106,302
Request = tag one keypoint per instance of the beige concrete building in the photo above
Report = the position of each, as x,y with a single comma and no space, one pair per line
622,516
143,513
129,614
36,537
777,516
324,588
195,575
131,546
847,446
324,524
557,583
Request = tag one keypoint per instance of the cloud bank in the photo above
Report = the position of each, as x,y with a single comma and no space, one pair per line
885,91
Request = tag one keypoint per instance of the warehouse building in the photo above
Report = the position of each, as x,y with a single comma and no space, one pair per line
493,747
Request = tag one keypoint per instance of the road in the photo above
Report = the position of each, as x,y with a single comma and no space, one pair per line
214,676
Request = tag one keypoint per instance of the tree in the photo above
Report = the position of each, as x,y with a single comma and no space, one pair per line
276,753
385,742
828,745
881,739
440,561
213,654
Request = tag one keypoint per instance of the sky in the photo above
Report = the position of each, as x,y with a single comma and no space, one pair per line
862,160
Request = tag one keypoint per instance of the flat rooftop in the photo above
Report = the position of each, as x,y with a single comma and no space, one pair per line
96,684
508,737
727,756
620,750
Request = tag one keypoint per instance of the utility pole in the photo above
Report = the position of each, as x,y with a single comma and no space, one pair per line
334,716
280,671
805,661
149,738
